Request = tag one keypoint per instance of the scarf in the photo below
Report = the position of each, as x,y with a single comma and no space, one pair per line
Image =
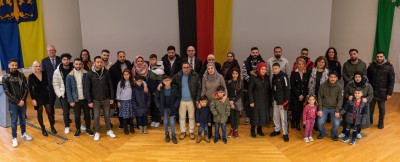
363,79
142,70
211,77
259,66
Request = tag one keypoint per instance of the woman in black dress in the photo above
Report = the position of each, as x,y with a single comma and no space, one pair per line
37,83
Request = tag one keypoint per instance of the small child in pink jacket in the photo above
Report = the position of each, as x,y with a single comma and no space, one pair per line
309,115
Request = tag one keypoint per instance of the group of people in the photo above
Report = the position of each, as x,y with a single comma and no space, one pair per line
206,93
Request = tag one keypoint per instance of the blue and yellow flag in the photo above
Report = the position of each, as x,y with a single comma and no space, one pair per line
21,32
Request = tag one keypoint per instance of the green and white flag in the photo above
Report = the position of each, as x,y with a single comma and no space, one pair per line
387,38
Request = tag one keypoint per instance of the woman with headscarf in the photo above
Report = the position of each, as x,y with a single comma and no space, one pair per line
260,99
228,66
211,59
140,67
358,81
211,80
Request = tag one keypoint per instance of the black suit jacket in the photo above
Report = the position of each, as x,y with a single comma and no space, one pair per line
47,67
198,65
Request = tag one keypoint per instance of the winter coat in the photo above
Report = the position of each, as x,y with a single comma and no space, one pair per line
203,115
176,67
260,94
235,95
227,69
99,86
194,84
58,81
220,110
299,85
382,78
72,88
16,88
140,100
248,67
175,100
366,89
349,69
280,88
116,72
356,114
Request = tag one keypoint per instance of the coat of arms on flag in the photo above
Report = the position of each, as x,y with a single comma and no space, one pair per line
15,11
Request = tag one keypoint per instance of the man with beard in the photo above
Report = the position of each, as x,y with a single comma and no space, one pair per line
193,61
59,77
352,65
105,55
381,76
171,61
249,65
277,58
304,54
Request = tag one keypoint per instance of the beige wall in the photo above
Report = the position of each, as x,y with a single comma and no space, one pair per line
62,26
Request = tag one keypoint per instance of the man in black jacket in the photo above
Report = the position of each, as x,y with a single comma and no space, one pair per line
189,86
49,65
193,61
16,88
172,62
381,76
281,96
100,94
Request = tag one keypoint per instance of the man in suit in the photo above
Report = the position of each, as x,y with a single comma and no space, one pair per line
193,61
49,65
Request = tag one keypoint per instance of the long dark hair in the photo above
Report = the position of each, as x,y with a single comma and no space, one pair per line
334,51
123,79
85,50
239,84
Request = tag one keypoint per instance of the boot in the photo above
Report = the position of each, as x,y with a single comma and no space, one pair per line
292,125
167,139
230,133
236,134
125,126
53,130
44,132
298,126
253,131
380,124
209,132
207,139
140,129
132,127
145,130
198,140
259,131
174,139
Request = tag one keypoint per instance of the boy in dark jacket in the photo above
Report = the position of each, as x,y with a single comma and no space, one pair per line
356,114
203,119
141,104
281,96
167,100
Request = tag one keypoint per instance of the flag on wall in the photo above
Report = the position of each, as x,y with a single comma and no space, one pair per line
387,38
21,32
207,25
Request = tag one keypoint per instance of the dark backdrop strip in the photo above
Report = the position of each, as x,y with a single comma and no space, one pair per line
205,28
187,25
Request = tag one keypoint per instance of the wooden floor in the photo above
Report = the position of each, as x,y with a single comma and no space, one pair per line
377,145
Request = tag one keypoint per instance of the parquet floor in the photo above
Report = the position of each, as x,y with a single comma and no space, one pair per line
377,145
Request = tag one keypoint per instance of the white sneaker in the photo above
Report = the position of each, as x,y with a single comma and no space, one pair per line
310,139
66,130
341,135
359,136
83,128
26,137
111,134
14,142
152,124
306,140
157,124
96,136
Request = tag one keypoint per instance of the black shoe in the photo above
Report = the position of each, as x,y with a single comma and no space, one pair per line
89,132
286,138
53,130
132,130
298,127
335,137
44,132
77,133
260,132
224,140
320,136
380,124
167,139
292,125
253,132
126,130
216,140
174,139
273,134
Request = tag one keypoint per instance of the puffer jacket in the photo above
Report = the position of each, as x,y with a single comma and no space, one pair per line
140,100
175,99
280,88
349,69
72,88
220,110
366,89
381,77
58,81
16,88
99,86
356,114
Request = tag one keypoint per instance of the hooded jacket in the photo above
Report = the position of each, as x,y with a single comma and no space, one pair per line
220,110
381,77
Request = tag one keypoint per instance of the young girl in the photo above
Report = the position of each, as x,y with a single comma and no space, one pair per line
309,115
141,104
235,92
124,98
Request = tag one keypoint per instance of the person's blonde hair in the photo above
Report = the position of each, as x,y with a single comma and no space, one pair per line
33,65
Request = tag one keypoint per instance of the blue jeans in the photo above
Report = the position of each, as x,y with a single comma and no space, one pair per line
223,126
15,113
203,126
322,119
171,121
